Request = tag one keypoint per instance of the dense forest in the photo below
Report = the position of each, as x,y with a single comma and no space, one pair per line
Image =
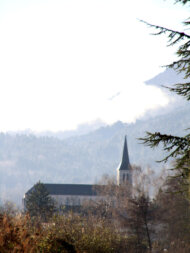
26,159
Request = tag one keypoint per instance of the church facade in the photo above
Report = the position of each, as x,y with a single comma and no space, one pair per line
78,194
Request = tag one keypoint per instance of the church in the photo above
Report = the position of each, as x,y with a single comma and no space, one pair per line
77,194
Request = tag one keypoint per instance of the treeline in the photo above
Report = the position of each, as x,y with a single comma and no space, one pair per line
79,159
126,221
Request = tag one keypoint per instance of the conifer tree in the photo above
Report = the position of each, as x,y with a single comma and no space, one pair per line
39,203
176,147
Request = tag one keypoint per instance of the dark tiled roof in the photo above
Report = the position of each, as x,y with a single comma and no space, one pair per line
125,164
72,189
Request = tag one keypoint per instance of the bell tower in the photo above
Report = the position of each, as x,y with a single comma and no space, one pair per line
124,171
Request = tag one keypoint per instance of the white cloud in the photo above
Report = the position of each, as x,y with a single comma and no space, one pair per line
61,61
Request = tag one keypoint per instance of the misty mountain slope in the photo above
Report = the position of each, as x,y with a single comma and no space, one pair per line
24,160
81,129
168,77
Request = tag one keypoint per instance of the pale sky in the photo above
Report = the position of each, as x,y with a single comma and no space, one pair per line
66,62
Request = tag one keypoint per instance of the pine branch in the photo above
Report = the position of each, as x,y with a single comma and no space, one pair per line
176,147
182,1
172,33
185,46
183,52
154,139
173,144
181,66
182,89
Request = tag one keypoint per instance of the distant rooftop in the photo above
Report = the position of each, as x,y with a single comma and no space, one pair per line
72,189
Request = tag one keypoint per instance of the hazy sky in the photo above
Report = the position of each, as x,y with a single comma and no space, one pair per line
67,62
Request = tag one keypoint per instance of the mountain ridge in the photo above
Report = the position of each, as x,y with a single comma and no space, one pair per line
24,160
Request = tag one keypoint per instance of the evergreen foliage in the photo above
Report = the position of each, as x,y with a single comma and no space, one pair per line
39,203
182,1
177,147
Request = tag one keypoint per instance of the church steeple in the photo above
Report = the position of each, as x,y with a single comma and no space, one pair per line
125,165
124,169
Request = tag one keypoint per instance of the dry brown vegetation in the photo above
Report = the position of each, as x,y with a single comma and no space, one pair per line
121,223
70,233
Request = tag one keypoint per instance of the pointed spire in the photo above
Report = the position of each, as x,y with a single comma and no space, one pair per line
125,165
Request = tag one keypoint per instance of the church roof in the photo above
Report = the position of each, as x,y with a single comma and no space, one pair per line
125,164
72,189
